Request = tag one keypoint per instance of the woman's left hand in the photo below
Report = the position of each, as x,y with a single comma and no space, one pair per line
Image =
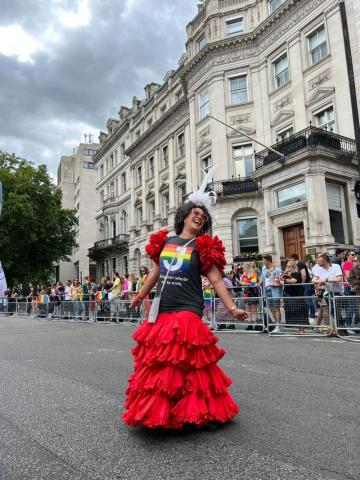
240,314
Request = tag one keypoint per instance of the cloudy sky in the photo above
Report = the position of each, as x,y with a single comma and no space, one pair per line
66,66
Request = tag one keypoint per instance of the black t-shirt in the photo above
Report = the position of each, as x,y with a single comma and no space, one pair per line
294,289
183,289
302,266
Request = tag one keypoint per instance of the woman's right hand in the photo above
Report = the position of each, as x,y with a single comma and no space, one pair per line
136,301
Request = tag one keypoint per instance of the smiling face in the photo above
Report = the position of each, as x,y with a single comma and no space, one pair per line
195,221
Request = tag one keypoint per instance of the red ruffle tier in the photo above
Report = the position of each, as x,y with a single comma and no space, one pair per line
176,379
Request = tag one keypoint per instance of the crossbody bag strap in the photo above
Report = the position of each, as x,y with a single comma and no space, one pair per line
172,263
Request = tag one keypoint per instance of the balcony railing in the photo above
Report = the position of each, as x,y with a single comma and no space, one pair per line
308,138
234,186
110,242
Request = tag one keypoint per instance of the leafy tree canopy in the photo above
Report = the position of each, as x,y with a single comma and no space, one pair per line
35,231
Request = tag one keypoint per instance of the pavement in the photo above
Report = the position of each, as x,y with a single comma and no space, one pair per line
62,389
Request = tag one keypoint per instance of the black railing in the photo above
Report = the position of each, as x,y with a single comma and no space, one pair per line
308,138
234,186
110,242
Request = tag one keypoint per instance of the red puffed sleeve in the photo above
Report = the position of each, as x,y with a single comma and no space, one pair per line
155,245
212,252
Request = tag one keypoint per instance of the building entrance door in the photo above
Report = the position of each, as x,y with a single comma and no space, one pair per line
294,241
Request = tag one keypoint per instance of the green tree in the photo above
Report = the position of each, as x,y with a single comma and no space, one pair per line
35,231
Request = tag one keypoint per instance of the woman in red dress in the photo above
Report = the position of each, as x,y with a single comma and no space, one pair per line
177,380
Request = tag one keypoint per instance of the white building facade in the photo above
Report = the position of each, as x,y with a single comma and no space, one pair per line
279,72
77,180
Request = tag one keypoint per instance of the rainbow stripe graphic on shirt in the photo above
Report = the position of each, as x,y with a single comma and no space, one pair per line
182,261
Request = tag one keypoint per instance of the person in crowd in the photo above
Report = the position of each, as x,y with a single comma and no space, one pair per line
145,305
296,310
249,279
92,305
309,265
353,310
86,295
222,314
309,291
105,286
54,300
271,283
10,296
115,291
68,307
126,288
327,280
31,297
208,294
339,257
178,353
76,297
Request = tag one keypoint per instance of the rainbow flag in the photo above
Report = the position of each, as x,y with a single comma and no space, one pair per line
182,261
100,296
43,299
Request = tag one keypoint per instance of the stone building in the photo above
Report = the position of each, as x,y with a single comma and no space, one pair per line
278,71
77,181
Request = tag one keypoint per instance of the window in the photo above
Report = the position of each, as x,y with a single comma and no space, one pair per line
243,160
165,156
117,187
284,134
281,71
113,262
89,165
139,217
125,264
101,198
112,190
116,157
123,182
124,223
151,167
200,43
106,166
238,90
178,95
247,235
181,193
181,145
165,205
137,134
274,5
293,194
203,99
113,228
234,27
101,172
317,44
89,152
326,119
162,110
138,176
112,161
122,151
151,212
206,163
337,212
149,122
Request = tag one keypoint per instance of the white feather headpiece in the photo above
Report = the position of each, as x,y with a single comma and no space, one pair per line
202,197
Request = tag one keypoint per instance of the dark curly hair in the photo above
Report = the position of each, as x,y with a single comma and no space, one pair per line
183,211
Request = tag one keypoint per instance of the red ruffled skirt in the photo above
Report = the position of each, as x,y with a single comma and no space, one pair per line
176,379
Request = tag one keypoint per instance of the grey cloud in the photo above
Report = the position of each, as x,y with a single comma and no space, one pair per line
87,74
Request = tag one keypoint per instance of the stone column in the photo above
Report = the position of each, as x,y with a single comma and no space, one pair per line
265,105
188,147
218,131
157,217
269,247
172,156
192,180
132,214
318,210
143,198
295,55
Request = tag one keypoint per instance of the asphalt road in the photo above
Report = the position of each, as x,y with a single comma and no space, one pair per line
62,388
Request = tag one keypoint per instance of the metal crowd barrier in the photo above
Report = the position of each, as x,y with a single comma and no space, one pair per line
332,310
347,317
247,297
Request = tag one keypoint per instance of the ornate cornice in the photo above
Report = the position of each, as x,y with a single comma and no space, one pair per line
111,141
164,124
247,46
